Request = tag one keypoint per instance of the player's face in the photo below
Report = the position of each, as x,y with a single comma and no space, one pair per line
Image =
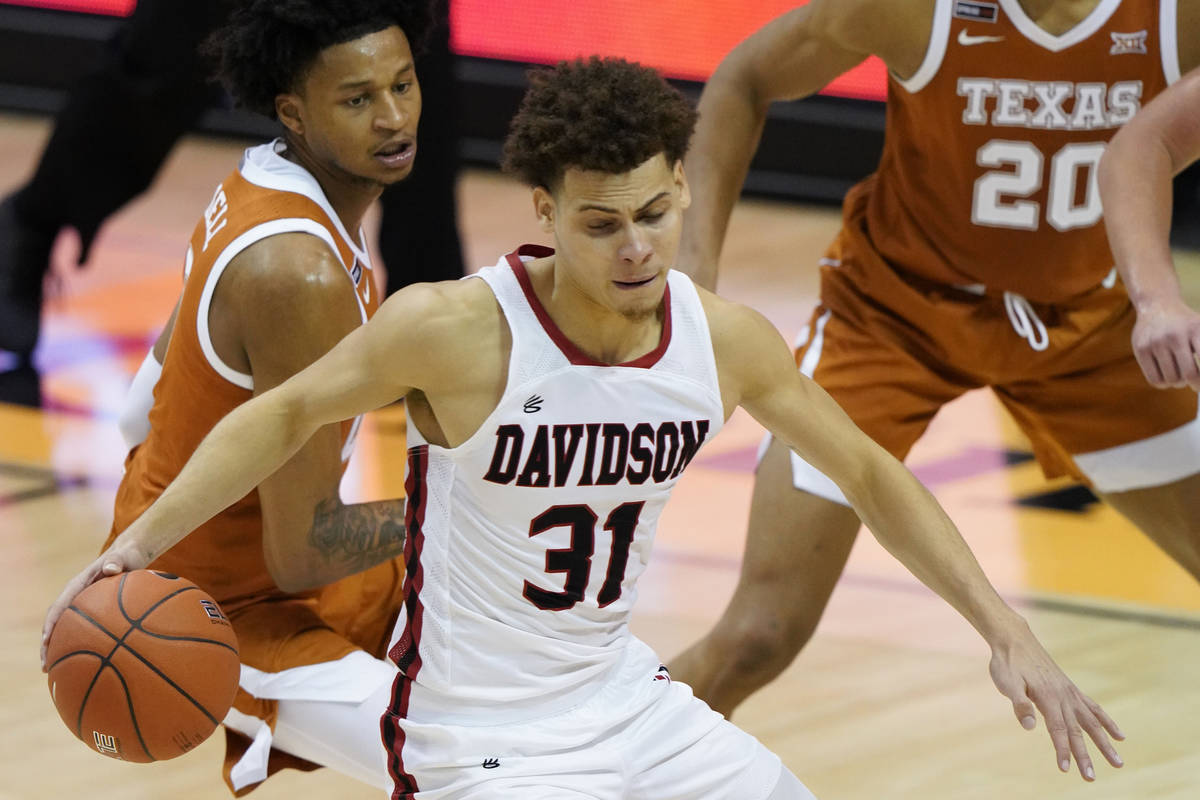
616,236
359,106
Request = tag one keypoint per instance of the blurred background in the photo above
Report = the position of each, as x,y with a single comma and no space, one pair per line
812,149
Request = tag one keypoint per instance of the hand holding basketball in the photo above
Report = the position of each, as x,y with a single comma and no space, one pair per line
113,561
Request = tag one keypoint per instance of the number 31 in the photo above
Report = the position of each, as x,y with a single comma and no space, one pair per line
576,560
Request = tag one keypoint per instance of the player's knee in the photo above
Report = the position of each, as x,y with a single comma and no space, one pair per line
768,642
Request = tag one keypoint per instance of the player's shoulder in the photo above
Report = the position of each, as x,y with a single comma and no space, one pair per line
748,349
289,265
455,302
450,332
875,27
735,328
459,311
873,13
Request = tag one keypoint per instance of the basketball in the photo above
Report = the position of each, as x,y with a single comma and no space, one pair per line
142,666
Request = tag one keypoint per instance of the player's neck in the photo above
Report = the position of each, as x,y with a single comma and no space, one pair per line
1056,17
349,194
602,332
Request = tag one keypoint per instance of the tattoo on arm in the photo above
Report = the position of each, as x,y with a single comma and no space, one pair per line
359,536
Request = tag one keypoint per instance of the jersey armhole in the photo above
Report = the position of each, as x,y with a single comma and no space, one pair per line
939,35
495,281
252,236
1168,12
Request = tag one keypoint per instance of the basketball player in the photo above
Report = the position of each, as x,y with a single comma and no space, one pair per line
104,150
276,273
554,400
1135,185
974,256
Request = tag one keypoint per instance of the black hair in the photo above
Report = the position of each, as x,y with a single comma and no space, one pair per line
267,46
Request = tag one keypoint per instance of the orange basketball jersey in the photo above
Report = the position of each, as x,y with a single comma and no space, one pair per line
988,174
265,196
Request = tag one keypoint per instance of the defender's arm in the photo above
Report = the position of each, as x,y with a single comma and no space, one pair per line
292,302
793,56
1135,188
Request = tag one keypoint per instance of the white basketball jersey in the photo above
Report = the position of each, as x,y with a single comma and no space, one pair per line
525,543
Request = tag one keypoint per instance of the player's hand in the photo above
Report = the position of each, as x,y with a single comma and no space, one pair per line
115,560
1026,674
1166,343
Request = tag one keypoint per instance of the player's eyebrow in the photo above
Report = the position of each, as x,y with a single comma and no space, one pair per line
608,210
355,84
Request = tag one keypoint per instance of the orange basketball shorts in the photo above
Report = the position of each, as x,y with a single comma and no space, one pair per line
892,349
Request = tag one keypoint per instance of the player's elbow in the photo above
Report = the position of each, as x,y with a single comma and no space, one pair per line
866,477
736,80
860,484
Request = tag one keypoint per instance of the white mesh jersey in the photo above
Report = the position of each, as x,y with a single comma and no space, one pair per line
525,543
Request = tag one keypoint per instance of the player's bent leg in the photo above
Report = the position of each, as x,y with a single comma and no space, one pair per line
1169,515
343,736
790,788
796,548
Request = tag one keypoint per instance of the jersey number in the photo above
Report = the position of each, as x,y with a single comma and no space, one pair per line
576,560
1064,209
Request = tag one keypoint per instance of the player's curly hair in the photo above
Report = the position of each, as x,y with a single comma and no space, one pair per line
267,46
603,114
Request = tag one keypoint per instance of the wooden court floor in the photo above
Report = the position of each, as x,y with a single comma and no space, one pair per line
891,701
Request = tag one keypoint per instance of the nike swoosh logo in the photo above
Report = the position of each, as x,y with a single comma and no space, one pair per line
967,40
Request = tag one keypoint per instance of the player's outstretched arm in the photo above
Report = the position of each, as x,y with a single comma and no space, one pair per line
1135,188
758,373
374,365
793,56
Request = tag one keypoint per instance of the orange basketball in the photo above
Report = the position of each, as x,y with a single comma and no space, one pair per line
143,666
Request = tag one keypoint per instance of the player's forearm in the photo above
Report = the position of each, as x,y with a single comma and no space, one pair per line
1135,188
243,448
911,525
345,539
727,134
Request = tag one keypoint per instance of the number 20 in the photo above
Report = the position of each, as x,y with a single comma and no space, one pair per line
576,560
1062,212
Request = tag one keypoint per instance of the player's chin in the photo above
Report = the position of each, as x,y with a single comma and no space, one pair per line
638,309
389,175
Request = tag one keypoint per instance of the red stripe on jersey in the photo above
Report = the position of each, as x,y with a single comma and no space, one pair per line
406,652
404,784
568,348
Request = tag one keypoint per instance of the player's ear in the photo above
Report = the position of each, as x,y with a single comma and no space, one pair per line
543,207
288,107
685,194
